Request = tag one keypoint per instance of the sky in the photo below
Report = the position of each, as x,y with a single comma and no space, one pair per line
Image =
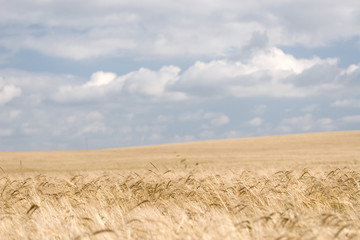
91,74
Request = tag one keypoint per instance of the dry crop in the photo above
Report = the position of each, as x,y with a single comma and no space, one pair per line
182,203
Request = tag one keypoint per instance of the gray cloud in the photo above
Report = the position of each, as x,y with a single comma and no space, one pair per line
163,28
321,73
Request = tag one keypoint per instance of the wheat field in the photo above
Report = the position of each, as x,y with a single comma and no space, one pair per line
283,187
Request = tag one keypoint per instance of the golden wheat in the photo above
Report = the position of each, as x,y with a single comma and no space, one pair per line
182,203
284,187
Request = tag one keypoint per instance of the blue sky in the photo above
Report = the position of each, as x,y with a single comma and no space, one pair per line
104,74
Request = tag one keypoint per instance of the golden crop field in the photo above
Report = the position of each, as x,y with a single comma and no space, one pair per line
302,186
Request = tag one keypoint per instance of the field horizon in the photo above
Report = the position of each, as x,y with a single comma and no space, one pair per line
304,186
322,148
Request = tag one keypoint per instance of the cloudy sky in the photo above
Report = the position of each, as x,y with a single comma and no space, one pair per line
115,73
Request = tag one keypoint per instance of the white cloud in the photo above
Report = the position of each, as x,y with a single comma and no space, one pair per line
6,132
151,83
184,138
233,134
142,128
310,108
143,82
346,103
100,78
325,121
351,119
14,114
207,134
214,119
268,73
34,88
350,70
259,109
326,124
256,122
126,130
307,123
100,84
8,92
82,123
155,137
93,127
29,130
279,64
303,123
11,115
341,103
220,120
164,119
195,116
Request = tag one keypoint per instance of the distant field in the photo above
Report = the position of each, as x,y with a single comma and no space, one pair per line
299,151
303,186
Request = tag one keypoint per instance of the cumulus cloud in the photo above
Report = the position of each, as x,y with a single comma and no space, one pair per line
220,120
306,123
151,83
28,129
143,82
100,84
8,92
353,68
325,121
195,116
84,123
351,76
310,108
184,138
268,73
346,103
100,78
212,118
92,122
14,114
206,121
256,122
259,109
351,119
303,123
34,88
6,132
326,124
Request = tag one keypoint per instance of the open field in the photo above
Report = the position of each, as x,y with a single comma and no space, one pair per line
299,151
282,187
